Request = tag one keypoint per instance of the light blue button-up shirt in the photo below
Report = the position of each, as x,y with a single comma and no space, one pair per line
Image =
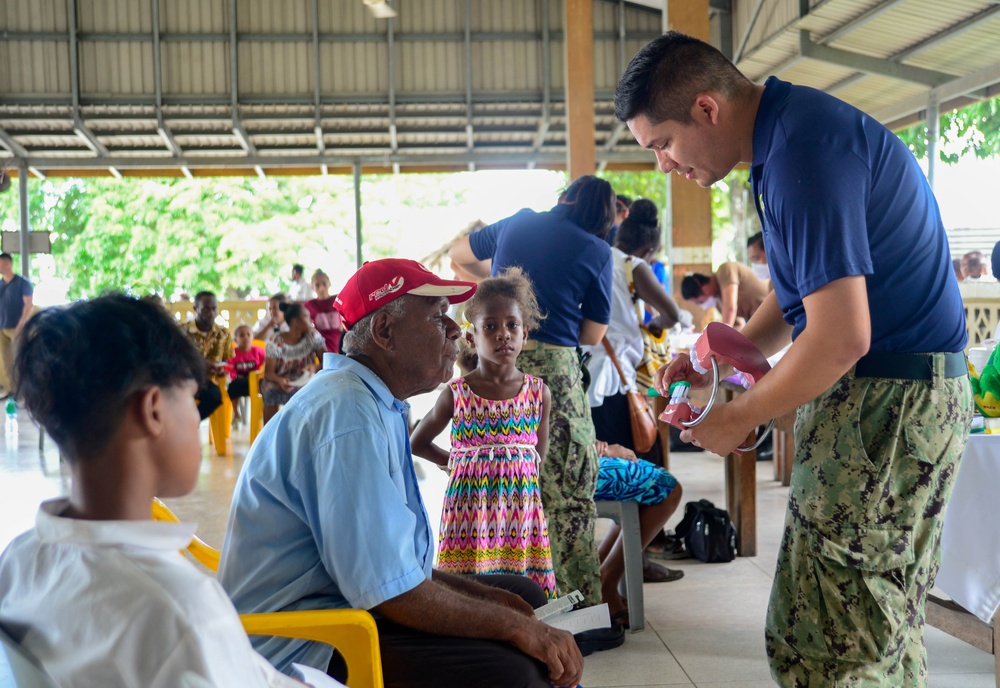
327,512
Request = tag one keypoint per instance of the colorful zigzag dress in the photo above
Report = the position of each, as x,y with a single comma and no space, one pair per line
492,521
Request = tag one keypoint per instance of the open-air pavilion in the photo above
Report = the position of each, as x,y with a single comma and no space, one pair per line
145,88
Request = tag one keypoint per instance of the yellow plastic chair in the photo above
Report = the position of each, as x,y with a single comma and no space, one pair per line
220,423
351,631
256,400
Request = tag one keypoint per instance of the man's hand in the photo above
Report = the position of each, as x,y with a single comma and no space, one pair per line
678,369
555,648
721,432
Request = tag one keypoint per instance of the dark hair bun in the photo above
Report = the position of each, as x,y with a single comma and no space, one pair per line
643,211
283,306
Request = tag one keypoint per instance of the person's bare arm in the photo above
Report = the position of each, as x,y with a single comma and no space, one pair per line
269,325
25,314
475,589
591,333
437,607
543,424
728,296
767,327
430,426
270,365
838,333
652,292
461,254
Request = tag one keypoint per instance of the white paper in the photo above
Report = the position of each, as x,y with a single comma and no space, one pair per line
315,677
581,620
559,605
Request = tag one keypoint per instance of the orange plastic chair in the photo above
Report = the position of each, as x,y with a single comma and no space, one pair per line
351,631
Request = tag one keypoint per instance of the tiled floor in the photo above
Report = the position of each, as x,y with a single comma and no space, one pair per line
705,630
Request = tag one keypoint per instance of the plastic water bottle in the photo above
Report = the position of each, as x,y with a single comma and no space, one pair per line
11,424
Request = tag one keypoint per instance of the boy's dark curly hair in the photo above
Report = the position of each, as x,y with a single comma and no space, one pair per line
512,284
78,366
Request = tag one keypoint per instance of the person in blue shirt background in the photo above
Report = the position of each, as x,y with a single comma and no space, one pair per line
327,512
863,288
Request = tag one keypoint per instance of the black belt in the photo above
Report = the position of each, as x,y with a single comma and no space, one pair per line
909,366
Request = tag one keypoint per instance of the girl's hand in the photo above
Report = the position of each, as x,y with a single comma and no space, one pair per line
284,385
617,451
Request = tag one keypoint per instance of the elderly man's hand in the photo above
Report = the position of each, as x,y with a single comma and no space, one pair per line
505,598
555,648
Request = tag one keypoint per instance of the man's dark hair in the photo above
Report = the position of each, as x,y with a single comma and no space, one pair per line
6,256
299,268
995,260
78,366
756,240
590,203
691,285
668,73
640,231
203,295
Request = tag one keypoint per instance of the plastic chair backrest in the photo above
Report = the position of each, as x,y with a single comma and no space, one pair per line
352,631
18,668
198,548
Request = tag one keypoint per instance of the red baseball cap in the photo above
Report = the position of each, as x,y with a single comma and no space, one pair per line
379,282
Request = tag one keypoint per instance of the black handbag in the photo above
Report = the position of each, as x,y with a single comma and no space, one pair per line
708,532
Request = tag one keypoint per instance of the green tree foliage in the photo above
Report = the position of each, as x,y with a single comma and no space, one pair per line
973,130
232,235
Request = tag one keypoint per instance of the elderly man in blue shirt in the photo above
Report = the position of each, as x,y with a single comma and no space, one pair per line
327,512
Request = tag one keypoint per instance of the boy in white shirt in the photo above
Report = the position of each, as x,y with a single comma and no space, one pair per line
97,592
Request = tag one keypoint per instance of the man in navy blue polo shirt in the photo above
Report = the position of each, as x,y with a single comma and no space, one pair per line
863,288
15,309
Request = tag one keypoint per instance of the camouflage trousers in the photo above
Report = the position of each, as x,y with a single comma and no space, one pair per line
875,460
568,475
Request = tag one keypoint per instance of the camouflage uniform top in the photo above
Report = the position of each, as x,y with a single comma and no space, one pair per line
216,345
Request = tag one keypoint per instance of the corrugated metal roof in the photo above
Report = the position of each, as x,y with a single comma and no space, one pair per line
447,83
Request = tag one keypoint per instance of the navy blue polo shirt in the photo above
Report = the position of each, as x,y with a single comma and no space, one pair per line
570,268
12,300
839,195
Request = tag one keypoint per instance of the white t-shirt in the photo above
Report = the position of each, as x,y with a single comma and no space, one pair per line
623,335
113,603
300,290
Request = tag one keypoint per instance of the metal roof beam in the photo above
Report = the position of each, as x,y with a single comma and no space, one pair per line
545,120
459,157
161,127
15,148
390,35
859,21
264,37
469,140
872,65
317,103
983,78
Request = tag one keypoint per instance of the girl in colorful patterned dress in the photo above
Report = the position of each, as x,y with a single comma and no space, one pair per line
492,521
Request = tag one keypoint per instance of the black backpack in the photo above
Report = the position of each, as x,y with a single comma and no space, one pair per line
709,534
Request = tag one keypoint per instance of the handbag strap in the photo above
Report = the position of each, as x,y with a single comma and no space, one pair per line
614,359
